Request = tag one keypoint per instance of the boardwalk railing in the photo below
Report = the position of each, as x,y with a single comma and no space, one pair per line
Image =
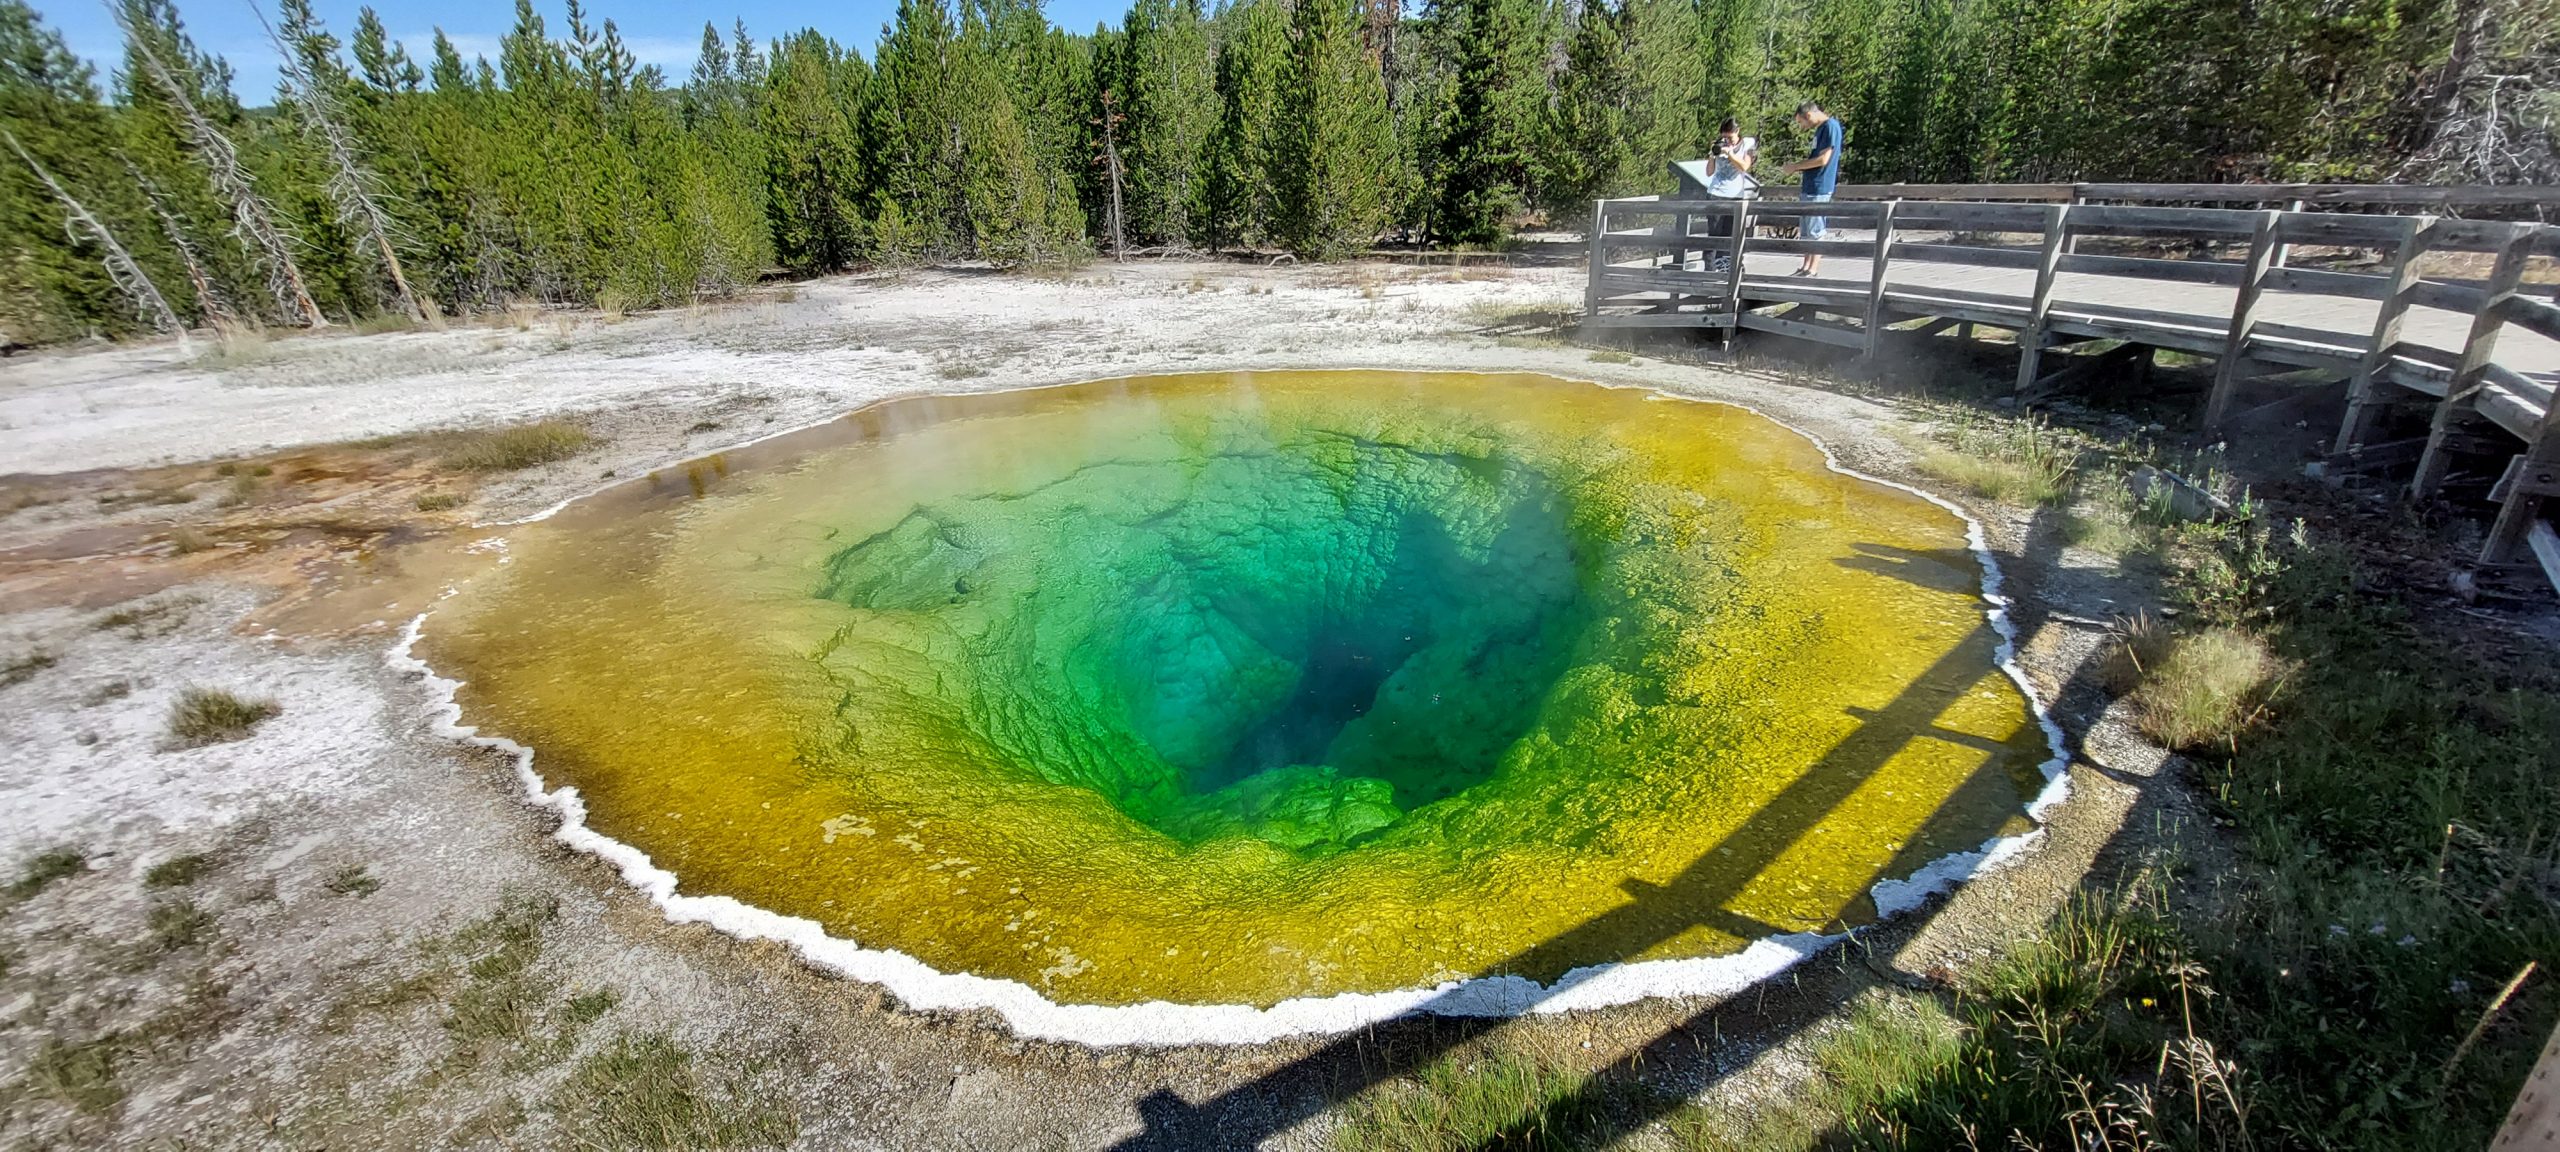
2064,270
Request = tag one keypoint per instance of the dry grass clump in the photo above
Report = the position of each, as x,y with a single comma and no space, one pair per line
178,871
2190,689
517,446
352,880
644,1091
47,867
23,667
2013,461
81,1074
235,348
204,716
186,541
439,501
179,924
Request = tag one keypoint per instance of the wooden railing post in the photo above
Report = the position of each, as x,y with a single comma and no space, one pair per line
1733,263
2471,373
2244,309
2376,361
1875,280
1599,263
2284,251
2057,221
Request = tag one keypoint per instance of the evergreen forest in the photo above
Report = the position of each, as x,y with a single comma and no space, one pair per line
376,182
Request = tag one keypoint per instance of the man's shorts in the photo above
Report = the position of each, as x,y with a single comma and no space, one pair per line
1815,226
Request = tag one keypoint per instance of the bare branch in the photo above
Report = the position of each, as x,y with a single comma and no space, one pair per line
121,268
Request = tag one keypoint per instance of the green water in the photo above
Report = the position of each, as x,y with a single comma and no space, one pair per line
1234,688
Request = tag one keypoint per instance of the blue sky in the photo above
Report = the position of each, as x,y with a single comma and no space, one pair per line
664,34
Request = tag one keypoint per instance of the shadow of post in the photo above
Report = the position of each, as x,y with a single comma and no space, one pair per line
1247,1115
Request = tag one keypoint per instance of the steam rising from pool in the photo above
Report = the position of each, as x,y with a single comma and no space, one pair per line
1248,688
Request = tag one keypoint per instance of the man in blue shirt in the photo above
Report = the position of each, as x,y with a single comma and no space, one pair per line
1821,168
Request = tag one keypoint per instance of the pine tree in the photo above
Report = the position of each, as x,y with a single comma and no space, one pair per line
1487,139
911,135
1233,199
56,278
1589,147
813,157
85,227
1169,91
1666,85
1333,160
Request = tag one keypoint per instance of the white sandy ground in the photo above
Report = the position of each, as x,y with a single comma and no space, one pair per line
293,1049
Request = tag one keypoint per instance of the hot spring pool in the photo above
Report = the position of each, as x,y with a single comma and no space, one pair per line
1103,704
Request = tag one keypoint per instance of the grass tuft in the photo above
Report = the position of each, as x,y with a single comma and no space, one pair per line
48,866
236,348
204,716
439,501
2200,688
185,541
1612,356
23,667
2010,460
1889,1046
178,924
352,880
82,1074
519,446
643,1091
178,871
1472,1099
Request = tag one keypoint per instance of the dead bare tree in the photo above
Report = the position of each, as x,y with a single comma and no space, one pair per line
353,189
2479,122
251,219
121,267
1109,122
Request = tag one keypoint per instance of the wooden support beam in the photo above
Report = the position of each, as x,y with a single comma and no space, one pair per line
2253,282
2031,337
2083,367
2471,372
2361,387
2546,550
2534,475
1835,334
1591,278
1875,281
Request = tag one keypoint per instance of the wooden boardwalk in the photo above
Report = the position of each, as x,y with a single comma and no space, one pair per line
2484,356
